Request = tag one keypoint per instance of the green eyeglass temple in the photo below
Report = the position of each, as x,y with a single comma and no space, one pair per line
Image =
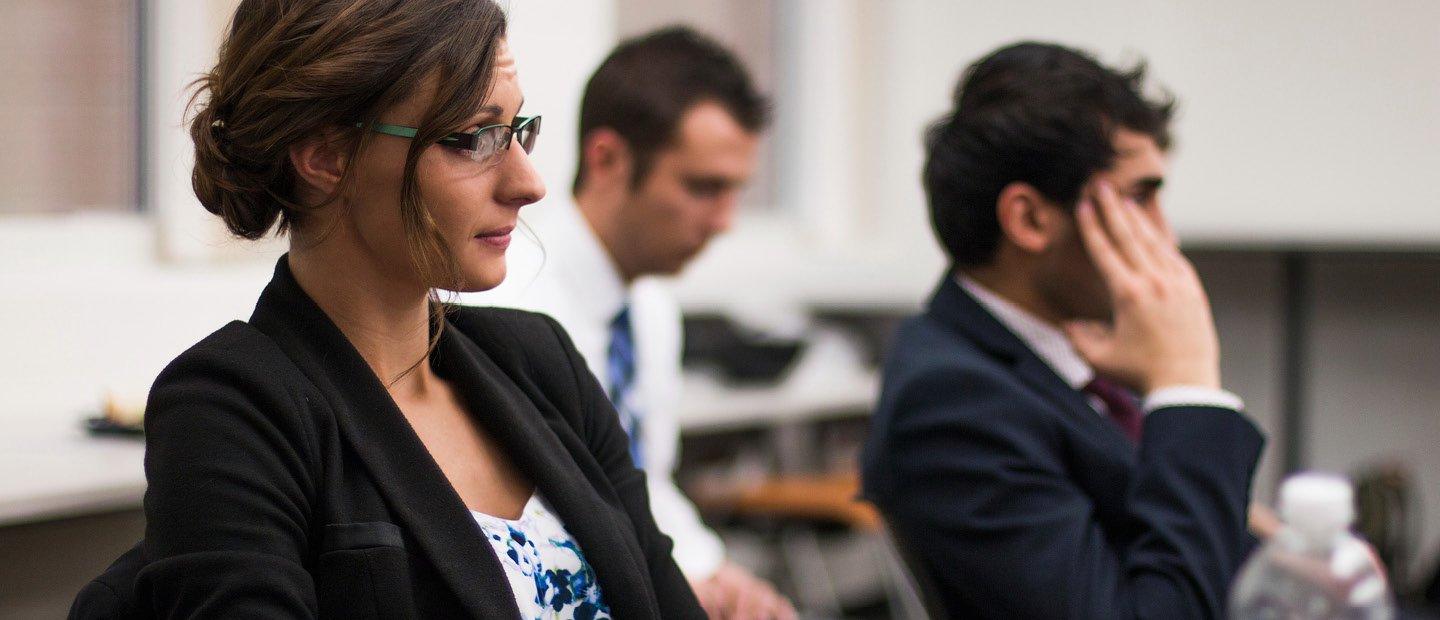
468,140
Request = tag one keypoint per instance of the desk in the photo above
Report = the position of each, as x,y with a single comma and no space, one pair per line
54,469
830,379
708,406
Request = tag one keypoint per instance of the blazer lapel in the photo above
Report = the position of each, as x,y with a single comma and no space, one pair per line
415,487
952,305
514,420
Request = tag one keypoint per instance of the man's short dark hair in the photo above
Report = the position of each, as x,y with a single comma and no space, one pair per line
648,83
1036,113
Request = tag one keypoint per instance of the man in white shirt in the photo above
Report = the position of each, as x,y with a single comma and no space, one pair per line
669,126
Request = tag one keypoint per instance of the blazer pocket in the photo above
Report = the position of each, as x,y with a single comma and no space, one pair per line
363,572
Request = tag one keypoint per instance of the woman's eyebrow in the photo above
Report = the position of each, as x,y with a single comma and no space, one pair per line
487,112
493,111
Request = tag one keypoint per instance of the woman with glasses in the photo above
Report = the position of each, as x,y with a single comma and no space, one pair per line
357,448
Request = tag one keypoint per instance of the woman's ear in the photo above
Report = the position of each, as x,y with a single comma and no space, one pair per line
319,163
1028,220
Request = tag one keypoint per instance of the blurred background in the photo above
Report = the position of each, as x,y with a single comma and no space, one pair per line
1302,187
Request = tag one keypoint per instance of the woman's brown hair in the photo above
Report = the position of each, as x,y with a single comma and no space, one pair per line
292,69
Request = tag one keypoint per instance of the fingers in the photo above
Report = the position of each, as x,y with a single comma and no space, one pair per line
713,609
1264,523
1098,244
1168,232
711,598
786,610
1162,241
1115,213
1091,339
1145,245
1162,245
743,596
760,602
1149,241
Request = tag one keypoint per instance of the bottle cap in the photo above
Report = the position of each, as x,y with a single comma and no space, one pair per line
1317,504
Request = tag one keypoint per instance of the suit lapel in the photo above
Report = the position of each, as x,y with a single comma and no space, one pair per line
953,306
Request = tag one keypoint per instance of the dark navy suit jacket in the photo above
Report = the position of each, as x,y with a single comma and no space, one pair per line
1020,501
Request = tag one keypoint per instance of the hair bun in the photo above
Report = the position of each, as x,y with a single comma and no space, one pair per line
243,196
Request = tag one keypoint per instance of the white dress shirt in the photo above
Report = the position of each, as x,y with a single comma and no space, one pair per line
1054,348
563,270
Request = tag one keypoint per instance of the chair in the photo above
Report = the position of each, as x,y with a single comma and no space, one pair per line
921,585
801,504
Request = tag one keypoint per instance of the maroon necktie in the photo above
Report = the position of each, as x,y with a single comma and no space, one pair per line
1119,405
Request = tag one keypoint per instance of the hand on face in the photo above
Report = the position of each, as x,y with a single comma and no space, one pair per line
1162,333
732,593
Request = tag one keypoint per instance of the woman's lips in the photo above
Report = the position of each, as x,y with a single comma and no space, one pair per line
498,238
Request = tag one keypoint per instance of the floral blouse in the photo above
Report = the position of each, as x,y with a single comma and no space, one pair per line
548,573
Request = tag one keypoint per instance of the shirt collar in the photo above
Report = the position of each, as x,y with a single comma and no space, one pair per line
1046,340
591,272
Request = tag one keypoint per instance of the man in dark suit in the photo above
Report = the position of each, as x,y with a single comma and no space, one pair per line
1052,440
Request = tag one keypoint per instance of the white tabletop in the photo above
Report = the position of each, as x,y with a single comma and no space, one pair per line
52,468
711,406
829,379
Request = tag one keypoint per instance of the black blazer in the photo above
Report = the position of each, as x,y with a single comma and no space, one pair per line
1020,501
285,483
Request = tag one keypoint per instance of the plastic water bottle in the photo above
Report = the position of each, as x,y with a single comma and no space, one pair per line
1313,568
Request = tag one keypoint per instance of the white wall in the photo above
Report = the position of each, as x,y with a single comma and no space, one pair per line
81,313
1307,122
557,43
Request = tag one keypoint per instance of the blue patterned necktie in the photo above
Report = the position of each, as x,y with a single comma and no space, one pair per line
622,380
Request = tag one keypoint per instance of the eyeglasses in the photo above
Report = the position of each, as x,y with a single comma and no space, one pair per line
484,144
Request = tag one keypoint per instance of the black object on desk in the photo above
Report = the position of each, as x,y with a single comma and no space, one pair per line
101,425
740,355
